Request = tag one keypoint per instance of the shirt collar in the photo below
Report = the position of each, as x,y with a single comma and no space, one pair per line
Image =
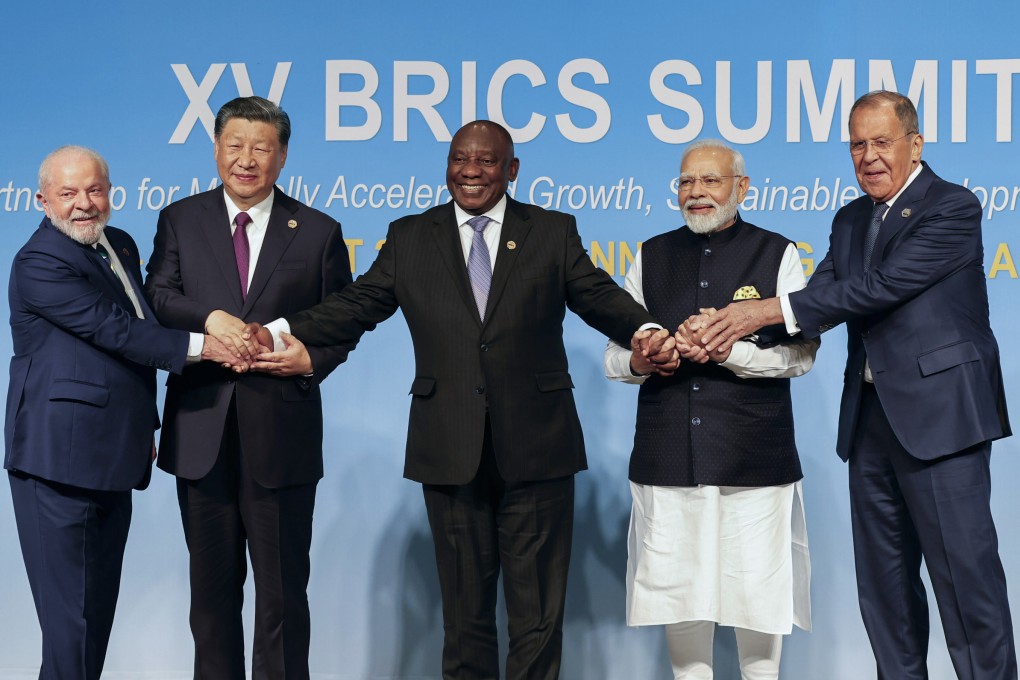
911,178
496,213
259,213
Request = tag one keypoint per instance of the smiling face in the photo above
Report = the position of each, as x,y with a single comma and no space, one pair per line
76,196
882,175
480,167
710,209
249,159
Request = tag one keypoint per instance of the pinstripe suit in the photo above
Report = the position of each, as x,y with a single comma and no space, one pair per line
492,411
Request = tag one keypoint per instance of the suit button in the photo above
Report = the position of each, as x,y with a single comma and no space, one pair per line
704,284
695,421
696,386
479,390
484,348
708,252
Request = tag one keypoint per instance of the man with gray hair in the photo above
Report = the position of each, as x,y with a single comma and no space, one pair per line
717,532
81,406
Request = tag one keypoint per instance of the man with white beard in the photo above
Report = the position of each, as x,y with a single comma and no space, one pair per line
717,532
81,406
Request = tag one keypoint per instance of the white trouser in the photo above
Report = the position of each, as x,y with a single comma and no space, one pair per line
690,651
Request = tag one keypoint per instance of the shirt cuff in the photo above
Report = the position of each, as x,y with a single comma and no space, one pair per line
196,343
792,327
276,327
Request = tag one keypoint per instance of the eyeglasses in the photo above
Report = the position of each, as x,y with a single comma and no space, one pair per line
709,181
881,146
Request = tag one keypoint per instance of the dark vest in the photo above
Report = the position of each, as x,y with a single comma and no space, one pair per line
704,425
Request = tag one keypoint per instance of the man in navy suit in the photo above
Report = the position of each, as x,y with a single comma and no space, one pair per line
922,401
81,406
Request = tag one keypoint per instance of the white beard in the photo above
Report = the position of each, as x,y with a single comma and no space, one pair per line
84,235
707,224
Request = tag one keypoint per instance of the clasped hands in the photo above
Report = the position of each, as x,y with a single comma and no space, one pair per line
656,351
242,347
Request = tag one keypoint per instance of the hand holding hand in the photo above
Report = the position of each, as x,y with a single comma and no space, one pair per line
214,350
690,339
229,330
261,335
294,360
653,351
738,320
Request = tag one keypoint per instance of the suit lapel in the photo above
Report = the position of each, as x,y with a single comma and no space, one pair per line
516,227
447,237
277,239
129,263
216,230
901,213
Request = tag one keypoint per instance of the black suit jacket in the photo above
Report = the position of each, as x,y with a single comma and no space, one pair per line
919,315
192,272
513,366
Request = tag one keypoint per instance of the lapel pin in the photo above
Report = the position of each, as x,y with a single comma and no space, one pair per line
511,245
125,252
292,224
905,213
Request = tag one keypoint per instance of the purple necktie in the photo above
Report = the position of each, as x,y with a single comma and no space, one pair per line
479,268
872,234
241,251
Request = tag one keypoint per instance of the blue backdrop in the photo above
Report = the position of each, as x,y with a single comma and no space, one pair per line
601,98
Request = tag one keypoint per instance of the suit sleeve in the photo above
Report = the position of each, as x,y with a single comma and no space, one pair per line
944,242
336,275
345,315
594,296
164,285
58,292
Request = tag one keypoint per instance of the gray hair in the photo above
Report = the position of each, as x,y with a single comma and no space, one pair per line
46,167
256,110
904,109
738,159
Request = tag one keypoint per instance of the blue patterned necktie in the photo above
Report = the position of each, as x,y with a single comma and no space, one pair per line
478,264
104,253
869,239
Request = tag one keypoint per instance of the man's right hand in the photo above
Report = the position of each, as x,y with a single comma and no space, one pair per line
260,334
229,330
214,350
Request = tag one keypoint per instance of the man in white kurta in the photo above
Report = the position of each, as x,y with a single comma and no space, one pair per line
717,531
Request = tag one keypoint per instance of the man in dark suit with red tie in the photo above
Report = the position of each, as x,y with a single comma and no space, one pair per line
922,401
494,438
81,406
246,449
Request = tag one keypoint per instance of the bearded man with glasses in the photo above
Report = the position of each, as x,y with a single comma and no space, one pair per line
717,533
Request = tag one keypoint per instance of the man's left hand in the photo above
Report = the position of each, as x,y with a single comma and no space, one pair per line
294,360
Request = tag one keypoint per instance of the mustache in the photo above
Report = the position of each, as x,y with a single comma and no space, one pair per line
700,203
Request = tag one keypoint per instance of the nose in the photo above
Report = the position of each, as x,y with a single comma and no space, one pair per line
870,153
471,168
697,189
83,202
245,158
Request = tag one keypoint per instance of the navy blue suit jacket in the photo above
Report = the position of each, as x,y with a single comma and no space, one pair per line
919,316
81,405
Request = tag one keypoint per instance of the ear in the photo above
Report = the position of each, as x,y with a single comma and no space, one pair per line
742,186
39,196
511,174
916,144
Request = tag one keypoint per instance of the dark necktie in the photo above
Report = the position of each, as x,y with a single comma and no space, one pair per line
105,254
872,235
479,266
241,251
